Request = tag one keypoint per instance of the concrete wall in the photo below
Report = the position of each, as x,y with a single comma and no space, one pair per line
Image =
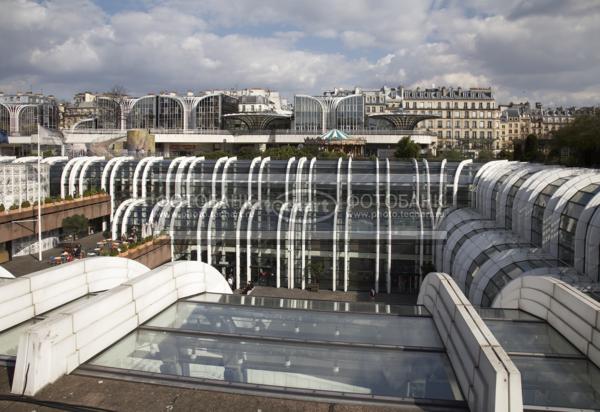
30,295
59,344
573,314
52,216
487,377
151,254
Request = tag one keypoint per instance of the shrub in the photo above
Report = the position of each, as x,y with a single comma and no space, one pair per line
114,252
106,234
13,207
25,204
2,207
68,197
49,200
75,224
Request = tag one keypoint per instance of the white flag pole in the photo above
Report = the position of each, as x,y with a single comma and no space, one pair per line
39,204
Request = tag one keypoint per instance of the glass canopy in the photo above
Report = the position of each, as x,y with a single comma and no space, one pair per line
554,374
309,352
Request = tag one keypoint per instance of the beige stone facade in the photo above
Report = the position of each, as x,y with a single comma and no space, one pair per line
468,118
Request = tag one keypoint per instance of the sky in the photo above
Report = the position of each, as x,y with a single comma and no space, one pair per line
536,50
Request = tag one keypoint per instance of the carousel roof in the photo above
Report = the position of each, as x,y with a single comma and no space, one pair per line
334,134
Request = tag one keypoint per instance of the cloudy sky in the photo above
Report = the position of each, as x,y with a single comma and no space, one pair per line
542,50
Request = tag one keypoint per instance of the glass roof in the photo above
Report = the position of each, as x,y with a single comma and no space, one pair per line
300,325
554,373
313,305
251,344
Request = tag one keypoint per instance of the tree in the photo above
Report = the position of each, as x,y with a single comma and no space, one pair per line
74,225
248,153
451,155
504,154
316,269
485,156
578,143
531,151
407,149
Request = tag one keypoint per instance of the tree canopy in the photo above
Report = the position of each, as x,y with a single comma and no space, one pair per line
407,149
578,143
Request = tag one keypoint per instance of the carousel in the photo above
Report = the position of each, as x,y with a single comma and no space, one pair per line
337,140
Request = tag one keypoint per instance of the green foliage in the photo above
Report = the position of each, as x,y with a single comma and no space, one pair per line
48,199
106,234
531,148
13,207
248,153
578,143
2,207
75,224
407,149
216,154
451,155
504,154
485,156
316,269
90,192
114,252
68,197
528,150
25,204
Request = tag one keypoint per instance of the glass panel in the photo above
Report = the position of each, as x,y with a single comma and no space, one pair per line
568,383
9,339
315,305
361,371
530,337
509,314
300,325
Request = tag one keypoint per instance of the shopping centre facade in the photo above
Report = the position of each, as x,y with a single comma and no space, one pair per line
348,224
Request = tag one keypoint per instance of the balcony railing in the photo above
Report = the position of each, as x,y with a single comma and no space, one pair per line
366,132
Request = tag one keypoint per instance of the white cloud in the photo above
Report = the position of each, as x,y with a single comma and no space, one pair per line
544,50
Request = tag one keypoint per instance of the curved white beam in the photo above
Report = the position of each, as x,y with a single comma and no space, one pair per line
287,178
307,209
254,162
284,207
127,214
224,177
190,175
117,215
65,174
291,245
255,207
84,169
136,174
113,175
146,173
298,192
214,176
105,172
238,247
180,173
211,221
172,166
459,169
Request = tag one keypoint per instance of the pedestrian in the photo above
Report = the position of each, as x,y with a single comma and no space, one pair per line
230,281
